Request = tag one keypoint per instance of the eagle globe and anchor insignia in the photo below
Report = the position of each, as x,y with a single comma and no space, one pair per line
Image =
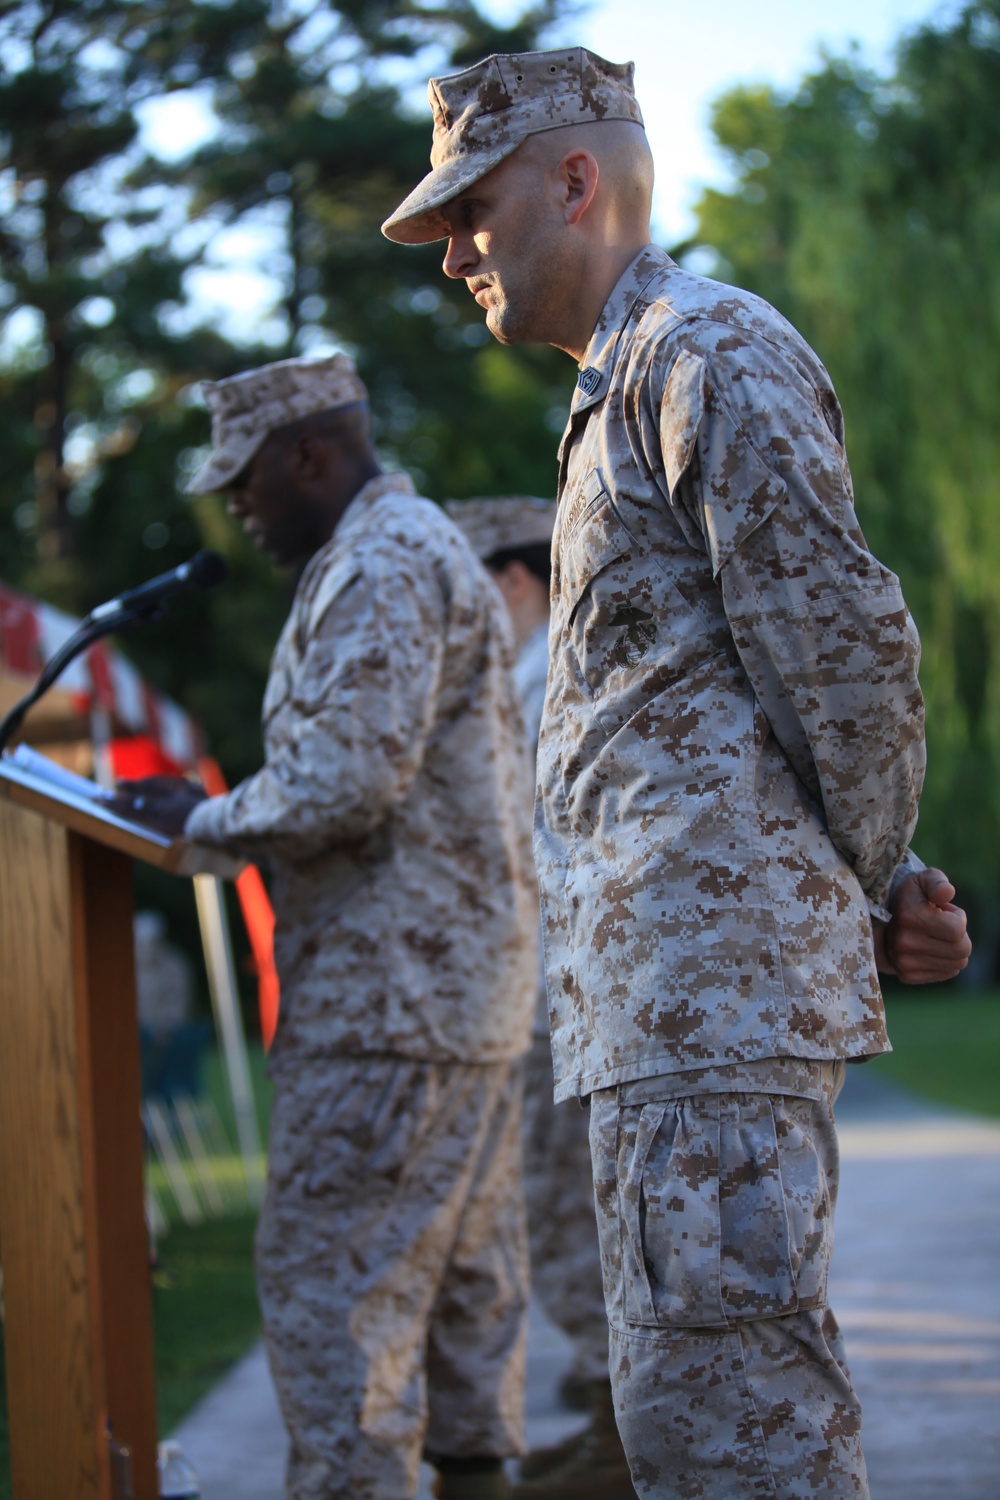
637,637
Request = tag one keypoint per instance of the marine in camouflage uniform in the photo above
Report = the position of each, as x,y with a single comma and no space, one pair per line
729,768
391,1251
513,538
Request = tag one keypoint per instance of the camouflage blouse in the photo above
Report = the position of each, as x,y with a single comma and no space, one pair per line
732,748
391,803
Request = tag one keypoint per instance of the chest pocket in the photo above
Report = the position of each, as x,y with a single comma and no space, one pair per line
629,630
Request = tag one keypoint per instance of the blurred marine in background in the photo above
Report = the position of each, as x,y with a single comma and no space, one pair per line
391,1251
513,537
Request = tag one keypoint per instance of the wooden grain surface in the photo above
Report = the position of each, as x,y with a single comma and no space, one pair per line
110,1092
72,1231
50,1350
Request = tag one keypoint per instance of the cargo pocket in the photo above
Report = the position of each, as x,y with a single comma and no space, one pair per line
757,1274
668,1174
725,1210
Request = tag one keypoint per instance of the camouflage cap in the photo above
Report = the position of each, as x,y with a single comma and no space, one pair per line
248,407
483,115
503,524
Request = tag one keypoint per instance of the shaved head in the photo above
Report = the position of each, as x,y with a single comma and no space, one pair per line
622,152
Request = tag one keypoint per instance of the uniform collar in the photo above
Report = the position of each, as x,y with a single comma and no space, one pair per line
355,517
597,363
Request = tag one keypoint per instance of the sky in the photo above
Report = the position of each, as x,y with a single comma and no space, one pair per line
686,53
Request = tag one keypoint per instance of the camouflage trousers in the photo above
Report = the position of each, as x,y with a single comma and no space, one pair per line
715,1212
392,1270
562,1227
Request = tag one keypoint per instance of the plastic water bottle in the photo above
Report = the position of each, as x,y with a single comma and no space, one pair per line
178,1480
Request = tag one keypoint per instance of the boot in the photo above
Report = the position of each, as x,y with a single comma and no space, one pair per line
456,1482
590,1465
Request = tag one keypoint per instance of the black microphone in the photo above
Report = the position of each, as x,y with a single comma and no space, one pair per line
199,572
135,607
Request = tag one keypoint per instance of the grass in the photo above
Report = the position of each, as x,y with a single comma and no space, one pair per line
946,1046
205,1312
224,1166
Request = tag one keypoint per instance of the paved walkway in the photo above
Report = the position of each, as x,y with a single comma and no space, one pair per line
916,1287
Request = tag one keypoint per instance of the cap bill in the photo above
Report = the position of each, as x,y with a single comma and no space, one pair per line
418,219
224,464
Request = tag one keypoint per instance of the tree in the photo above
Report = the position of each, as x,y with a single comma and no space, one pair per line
317,136
868,210
104,349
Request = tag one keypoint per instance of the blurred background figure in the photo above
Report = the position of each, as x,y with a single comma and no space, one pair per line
163,976
513,537
172,1040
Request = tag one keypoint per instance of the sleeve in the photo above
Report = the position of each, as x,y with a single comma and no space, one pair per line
821,627
346,748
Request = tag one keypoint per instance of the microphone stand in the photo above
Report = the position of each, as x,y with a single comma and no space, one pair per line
89,632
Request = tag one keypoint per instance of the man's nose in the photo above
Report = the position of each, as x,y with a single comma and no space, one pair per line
461,257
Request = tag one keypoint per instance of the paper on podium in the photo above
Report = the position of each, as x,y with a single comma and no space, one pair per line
36,781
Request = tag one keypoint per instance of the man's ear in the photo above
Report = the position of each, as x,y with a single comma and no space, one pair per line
579,173
307,457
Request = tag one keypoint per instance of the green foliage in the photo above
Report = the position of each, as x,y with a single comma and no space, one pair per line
868,210
946,1046
333,152
316,142
205,1313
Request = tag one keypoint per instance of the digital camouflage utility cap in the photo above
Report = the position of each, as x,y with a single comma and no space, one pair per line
484,114
503,524
247,408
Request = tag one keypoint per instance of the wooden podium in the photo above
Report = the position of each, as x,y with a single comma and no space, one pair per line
73,1241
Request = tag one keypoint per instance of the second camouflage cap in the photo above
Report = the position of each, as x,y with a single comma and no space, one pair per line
483,114
504,524
247,408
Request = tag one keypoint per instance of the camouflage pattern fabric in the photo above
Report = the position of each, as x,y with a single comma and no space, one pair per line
716,1218
530,673
562,1227
732,748
247,407
391,803
392,1270
558,1183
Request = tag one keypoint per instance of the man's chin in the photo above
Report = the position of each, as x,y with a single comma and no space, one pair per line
505,329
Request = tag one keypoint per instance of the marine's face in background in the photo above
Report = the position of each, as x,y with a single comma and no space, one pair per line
267,499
